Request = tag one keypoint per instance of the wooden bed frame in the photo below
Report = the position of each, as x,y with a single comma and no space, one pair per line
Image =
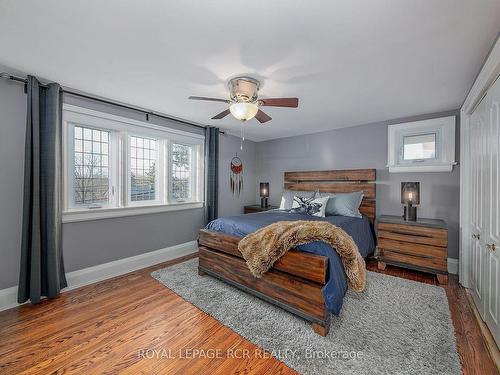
295,281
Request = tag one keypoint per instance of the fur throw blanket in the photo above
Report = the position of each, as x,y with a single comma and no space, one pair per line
265,246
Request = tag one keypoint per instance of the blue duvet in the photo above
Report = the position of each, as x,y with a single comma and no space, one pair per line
358,228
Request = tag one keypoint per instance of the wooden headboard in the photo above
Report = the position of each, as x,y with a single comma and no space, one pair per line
338,181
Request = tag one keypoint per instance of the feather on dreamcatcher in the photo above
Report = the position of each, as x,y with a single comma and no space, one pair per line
236,177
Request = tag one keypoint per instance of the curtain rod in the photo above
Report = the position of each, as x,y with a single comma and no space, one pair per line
109,101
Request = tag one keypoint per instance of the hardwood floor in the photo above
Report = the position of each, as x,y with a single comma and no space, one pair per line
116,325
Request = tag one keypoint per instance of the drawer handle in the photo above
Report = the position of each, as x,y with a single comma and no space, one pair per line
476,236
410,233
410,254
491,247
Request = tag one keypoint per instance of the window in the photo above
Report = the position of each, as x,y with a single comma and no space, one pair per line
418,147
143,169
91,172
422,146
124,166
182,177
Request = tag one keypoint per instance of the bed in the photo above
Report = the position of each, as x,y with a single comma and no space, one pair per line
308,281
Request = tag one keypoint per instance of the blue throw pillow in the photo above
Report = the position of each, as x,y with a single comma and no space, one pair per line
344,204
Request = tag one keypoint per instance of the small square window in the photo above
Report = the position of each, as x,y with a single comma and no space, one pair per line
422,146
419,147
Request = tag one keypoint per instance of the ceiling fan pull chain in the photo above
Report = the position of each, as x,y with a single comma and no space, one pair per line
242,137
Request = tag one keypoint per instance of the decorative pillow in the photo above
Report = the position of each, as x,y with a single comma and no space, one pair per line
344,204
329,195
288,195
310,206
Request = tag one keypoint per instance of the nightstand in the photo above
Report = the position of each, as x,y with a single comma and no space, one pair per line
420,245
257,208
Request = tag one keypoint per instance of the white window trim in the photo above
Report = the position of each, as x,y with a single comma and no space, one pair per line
443,127
90,118
77,215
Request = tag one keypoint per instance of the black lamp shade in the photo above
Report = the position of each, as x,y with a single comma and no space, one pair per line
410,193
264,189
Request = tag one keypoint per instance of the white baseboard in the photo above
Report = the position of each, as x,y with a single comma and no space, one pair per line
453,266
8,298
90,275
118,267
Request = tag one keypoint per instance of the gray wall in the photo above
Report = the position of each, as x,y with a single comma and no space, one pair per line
12,131
119,111
90,243
363,147
229,203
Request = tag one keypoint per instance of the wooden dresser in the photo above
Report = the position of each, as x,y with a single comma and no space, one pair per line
257,208
421,245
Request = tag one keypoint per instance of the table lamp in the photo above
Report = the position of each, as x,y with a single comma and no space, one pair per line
264,194
410,196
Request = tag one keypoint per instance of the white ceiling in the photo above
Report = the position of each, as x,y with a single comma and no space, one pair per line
350,62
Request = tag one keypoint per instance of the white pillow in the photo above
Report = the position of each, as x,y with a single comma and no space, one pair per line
322,201
287,197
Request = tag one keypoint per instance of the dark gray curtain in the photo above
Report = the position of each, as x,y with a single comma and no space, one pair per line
42,268
212,172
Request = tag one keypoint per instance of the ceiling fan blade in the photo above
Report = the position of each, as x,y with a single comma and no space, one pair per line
221,115
209,99
280,102
262,117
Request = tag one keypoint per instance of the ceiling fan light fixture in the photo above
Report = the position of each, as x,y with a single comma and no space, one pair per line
244,102
244,111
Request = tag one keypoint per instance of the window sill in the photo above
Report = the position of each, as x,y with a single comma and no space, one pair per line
73,216
421,168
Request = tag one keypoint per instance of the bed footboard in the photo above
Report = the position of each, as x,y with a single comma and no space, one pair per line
294,283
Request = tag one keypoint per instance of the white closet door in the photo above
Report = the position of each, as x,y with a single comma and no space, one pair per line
492,229
477,157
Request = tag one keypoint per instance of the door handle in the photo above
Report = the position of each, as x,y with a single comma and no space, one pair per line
476,236
491,247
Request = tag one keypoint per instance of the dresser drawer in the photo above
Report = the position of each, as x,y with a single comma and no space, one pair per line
421,262
414,234
420,245
411,248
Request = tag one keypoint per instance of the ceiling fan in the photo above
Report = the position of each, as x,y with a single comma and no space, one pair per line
244,103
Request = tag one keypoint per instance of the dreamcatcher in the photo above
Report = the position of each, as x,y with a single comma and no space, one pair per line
236,177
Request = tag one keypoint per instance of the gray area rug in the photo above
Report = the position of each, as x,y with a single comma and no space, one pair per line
395,326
